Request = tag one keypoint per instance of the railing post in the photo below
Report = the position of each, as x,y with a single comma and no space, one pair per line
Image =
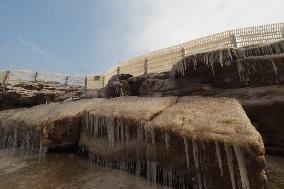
35,78
66,80
103,81
183,54
86,82
118,70
146,67
234,41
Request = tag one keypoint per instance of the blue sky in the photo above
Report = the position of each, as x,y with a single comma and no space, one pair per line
89,36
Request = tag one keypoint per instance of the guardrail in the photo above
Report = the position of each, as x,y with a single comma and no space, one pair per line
163,60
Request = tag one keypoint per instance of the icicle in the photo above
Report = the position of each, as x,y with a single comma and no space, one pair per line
274,68
96,127
194,64
186,151
181,70
221,58
206,59
183,67
195,157
110,131
87,121
139,133
240,70
148,162
230,164
154,171
212,68
153,136
122,132
167,142
170,177
15,138
91,121
219,157
117,128
138,168
242,167
205,184
127,134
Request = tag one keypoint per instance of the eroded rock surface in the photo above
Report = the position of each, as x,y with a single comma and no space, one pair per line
34,93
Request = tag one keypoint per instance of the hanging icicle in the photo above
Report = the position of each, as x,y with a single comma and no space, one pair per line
219,157
167,142
230,164
186,151
242,167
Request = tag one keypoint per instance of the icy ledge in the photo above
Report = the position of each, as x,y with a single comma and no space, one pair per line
188,142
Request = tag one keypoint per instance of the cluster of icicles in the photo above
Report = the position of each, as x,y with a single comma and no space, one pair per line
231,55
221,56
117,131
247,68
25,138
262,50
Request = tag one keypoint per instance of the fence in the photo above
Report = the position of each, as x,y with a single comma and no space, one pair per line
95,82
15,77
163,60
160,60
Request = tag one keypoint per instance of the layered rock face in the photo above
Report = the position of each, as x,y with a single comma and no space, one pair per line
34,93
188,142
253,75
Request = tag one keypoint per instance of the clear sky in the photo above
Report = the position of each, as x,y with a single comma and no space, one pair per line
89,36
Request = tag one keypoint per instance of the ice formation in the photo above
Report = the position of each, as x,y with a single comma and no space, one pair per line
219,157
229,155
167,142
195,157
186,151
242,167
274,68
